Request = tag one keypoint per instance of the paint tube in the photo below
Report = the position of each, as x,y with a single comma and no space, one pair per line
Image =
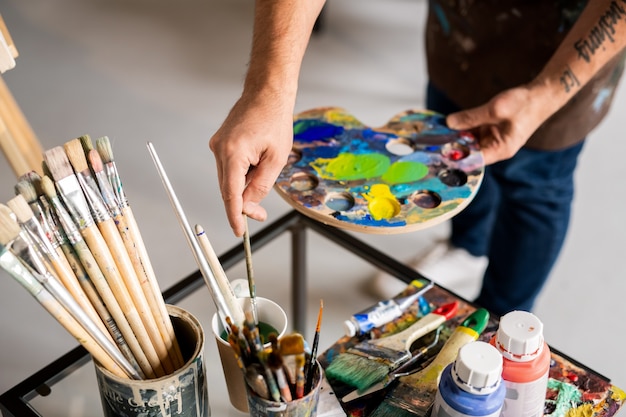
388,310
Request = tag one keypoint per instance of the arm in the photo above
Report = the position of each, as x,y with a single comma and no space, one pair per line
508,120
253,144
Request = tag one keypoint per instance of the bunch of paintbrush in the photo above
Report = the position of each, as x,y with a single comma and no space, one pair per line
277,372
415,393
371,361
74,232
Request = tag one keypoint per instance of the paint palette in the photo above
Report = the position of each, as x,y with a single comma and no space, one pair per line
408,175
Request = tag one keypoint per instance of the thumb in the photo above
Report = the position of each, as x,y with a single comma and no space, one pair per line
469,119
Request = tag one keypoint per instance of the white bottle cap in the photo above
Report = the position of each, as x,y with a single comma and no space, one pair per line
520,336
349,328
478,368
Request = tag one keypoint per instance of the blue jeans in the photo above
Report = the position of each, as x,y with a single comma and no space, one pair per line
518,219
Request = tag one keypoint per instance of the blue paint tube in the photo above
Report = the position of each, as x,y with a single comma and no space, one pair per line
388,310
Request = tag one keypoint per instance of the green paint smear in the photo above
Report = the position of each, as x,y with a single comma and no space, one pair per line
348,166
405,172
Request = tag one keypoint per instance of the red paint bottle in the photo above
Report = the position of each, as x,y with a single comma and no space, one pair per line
526,364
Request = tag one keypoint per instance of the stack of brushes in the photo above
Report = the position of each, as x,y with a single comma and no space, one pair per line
70,238
282,372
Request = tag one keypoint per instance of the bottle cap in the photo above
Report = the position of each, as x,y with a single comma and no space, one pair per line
349,328
520,336
478,368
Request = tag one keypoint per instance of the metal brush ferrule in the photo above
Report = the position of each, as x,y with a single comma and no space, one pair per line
66,221
26,249
50,215
93,197
108,195
74,199
116,183
40,215
11,263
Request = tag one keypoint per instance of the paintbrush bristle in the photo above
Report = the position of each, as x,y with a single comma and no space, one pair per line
9,229
48,188
76,155
292,344
86,143
20,207
390,408
95,161
104,149
26,189
58,164
357,371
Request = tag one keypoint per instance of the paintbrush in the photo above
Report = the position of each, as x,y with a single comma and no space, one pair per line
310,366
103,300
105,150
10,235
62,268
407,368
111,234
292,347
249,270
415,393
275,363
223,308
24,277
370,361
142,280
230,299
74,199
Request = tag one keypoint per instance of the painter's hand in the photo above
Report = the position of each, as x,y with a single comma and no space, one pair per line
251,148
504,124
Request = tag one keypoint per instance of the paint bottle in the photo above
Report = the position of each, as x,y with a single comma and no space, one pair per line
526,364
472,385
388,310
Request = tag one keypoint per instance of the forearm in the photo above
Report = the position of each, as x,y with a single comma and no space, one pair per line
282,29
598,36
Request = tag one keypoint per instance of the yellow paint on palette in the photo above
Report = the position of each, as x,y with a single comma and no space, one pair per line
585,410
382,204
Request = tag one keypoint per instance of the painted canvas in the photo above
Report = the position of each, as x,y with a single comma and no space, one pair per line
410,174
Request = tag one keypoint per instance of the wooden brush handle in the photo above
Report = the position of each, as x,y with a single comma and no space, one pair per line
104,258
129,231
128,342
428,378
403,340
76,330
115,243
70,281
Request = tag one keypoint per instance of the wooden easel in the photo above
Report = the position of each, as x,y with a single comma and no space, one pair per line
17,140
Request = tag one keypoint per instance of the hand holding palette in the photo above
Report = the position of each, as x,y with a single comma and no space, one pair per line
408,175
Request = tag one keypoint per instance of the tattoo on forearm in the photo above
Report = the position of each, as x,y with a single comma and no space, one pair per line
603,30
569,80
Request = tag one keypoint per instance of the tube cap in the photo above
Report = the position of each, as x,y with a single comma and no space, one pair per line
349,328
520,336
478,368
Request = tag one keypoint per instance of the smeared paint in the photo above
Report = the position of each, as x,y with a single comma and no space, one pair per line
348,166
403,172
382,204
568,396
313,129
585,410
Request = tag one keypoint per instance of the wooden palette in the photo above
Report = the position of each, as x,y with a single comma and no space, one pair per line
408,175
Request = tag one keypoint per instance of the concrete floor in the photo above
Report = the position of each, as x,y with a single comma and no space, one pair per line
168,72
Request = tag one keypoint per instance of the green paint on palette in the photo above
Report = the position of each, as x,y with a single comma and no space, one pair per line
348,166
264,330
403,172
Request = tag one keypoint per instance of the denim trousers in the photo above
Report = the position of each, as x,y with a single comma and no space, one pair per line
518,219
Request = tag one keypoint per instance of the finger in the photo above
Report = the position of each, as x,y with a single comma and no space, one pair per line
232,187
469,119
